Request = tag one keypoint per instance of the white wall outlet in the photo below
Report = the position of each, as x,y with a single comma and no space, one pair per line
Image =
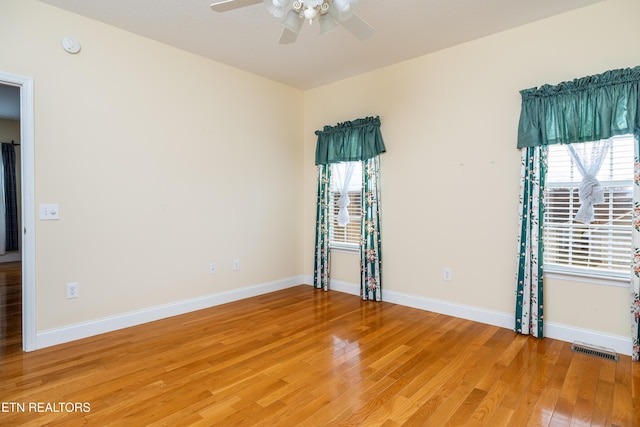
447,274
212,268
72,290
236,264
49,211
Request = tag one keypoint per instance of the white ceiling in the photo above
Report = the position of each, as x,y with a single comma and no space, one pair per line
247,38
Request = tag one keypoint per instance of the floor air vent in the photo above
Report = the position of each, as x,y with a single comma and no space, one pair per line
594,350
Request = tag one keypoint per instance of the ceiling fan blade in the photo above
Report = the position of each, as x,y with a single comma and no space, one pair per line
225,5
287,36
358,27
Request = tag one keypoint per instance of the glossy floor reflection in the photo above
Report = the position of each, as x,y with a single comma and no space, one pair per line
10,307
305,357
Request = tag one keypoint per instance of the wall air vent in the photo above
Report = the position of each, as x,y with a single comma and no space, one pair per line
594,350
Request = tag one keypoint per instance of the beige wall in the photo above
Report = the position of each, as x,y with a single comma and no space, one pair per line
161,161
450,176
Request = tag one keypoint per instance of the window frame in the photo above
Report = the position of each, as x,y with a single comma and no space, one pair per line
585,274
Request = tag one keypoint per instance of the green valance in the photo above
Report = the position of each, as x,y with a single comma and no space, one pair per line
349,141
586,109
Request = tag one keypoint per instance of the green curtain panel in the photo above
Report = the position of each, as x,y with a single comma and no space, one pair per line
370,248
322,254
529,296
586,109
358,140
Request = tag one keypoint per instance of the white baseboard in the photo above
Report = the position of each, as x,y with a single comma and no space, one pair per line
78,331
50,337
481,315
567,333
617,343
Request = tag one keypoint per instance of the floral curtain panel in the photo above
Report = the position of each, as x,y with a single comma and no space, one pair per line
591,108
635,276
370,249
359,140
529,297
322,260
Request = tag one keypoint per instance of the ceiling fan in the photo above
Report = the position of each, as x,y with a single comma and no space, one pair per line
329,13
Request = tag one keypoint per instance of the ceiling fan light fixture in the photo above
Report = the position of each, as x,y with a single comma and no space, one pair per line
329,13
310,13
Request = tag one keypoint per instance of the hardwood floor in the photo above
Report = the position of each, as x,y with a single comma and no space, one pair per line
301,357
10,308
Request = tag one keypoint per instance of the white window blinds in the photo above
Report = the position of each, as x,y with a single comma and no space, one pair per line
602,247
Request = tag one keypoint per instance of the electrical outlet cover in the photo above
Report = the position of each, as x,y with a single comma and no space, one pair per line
72,290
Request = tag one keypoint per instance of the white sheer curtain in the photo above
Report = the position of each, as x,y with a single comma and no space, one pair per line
588,158
342,173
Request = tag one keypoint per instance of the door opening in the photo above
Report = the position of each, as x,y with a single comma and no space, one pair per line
27,205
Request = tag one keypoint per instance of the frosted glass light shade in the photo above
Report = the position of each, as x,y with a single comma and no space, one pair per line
342,5
310,13
276,7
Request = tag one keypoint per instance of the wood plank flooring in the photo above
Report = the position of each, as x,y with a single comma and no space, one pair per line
302,357
10,308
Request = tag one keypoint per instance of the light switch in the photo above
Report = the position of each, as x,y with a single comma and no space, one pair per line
49,211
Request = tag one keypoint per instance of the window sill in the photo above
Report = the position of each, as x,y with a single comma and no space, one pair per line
577,276
345,248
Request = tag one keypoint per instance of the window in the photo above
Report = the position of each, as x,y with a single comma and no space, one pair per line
346,237
603,247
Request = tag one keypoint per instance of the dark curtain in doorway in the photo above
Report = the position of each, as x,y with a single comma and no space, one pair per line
10,195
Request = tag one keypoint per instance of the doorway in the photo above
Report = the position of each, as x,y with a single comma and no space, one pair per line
27,206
